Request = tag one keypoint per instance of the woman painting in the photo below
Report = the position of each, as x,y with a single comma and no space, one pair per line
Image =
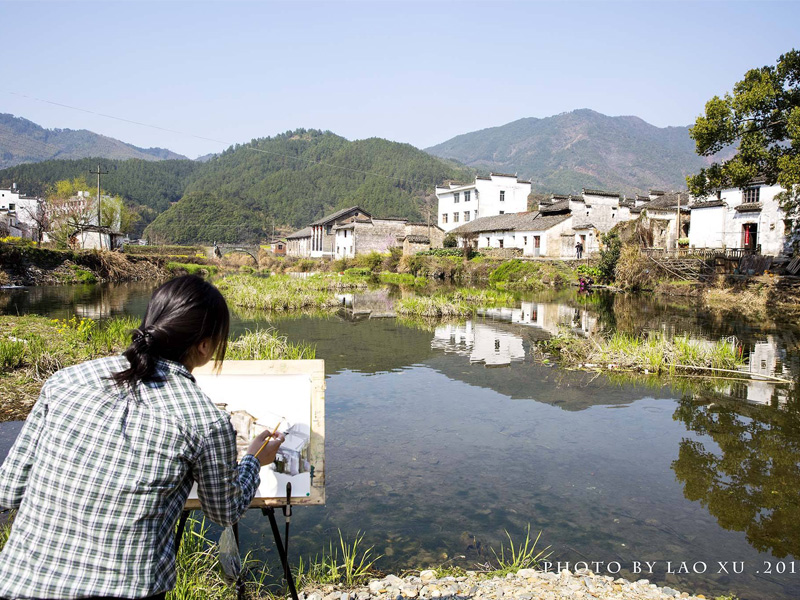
105,461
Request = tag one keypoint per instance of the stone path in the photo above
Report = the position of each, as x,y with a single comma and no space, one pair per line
527,584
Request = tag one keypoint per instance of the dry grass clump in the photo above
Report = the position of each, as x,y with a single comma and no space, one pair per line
284,293
635,270
748,300
4,278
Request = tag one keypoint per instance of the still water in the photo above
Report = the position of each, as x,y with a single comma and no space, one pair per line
439,439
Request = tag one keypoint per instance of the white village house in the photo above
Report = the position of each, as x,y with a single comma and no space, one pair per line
496,194
21,214
749,218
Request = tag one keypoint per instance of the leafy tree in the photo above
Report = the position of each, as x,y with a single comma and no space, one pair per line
763,117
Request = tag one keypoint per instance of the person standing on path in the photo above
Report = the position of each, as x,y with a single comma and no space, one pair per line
102,468
579,249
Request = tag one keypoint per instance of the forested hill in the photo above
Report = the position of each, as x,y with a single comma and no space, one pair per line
23,141
295,178
149,187
582,148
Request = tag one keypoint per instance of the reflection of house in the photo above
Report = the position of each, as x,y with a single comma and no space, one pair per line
481,342
496,194
362,236
740,218
765,359
547,317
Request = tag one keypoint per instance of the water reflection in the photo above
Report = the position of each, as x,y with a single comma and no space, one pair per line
745,467
481,342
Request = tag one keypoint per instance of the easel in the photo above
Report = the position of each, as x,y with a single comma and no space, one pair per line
281,543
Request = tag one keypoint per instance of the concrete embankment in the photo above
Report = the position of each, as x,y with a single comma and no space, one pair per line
526,584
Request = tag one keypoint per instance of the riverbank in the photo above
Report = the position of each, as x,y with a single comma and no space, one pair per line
25,264
525,584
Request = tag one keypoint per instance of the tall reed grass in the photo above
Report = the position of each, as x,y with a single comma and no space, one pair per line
652,352
283,292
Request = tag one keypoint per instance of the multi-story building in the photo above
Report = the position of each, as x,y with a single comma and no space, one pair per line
496,194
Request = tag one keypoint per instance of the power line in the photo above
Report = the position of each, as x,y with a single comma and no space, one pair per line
208,139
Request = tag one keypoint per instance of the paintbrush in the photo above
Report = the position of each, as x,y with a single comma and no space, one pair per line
269,437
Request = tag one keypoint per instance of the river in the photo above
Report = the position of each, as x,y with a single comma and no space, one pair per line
441,439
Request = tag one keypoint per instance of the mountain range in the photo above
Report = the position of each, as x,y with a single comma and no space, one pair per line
582,148
23,141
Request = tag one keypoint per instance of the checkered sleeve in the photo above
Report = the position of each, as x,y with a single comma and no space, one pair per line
224,488
15,469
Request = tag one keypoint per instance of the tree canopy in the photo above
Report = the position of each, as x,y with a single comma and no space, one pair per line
762,116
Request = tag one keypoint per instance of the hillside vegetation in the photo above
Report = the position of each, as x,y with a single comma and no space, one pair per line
23,141
295,178
582,148
147,186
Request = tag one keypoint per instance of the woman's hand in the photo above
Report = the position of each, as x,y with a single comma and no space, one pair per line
267,454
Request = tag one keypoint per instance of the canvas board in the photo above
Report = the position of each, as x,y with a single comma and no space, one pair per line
263,394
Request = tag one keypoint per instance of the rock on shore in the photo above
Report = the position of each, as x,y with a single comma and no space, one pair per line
527,584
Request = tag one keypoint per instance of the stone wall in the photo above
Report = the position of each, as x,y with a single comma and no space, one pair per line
378,236
501,252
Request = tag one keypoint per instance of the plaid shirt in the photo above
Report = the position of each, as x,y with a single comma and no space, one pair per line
100,476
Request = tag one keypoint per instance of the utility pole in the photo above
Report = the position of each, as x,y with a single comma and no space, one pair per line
99,234
678,232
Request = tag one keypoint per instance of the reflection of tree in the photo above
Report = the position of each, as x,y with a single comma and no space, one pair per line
752,484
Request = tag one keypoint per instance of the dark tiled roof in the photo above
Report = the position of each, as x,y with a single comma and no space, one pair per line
657,193
558,207
486,177
669,202
637,209
575,198
522,181
642,198
504,175
600,193
707,204
628,203
749,207
337,214
559,197
524,221
305,232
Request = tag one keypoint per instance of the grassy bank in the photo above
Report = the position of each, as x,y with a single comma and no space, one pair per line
532,275
32,348
24,263
653,352
283,292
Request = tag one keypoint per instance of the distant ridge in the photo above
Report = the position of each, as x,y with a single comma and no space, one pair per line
23,141
582,148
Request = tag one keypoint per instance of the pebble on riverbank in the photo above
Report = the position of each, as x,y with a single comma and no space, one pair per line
527,584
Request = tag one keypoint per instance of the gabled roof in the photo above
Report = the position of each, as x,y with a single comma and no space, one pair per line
339,213
588,192
657,192
669,202
523,221
749,207
708,204
557,207
302,233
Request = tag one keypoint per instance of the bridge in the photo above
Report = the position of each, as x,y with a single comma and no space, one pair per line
220,250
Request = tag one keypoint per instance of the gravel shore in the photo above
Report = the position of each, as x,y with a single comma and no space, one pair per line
527,584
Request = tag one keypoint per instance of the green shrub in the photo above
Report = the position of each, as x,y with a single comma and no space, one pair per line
371,261
454,252
609,255
82,275
358,272
588,271
450,241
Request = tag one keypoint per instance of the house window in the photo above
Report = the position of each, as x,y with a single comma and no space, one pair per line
488,242
328,230
502,212
501,242
455,217
466,196
12,206
502,196
466,216
444,218
751,195
524,240
455,198
476,214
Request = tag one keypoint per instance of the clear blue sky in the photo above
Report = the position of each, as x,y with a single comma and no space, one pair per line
416,72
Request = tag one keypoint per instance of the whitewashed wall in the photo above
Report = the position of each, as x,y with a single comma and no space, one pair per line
484,200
